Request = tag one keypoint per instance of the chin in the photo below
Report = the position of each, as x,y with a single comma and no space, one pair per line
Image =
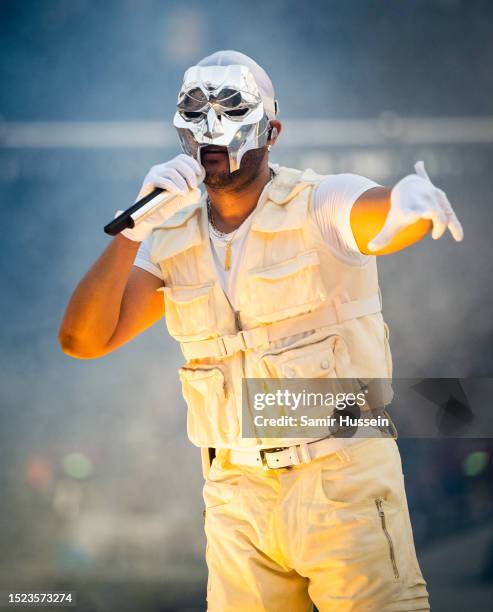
218,179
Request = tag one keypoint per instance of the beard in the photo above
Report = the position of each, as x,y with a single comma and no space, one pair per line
246,174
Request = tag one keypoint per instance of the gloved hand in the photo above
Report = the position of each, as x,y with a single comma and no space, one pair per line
412,198
181,176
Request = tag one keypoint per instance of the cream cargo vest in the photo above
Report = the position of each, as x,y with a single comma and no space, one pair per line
302,312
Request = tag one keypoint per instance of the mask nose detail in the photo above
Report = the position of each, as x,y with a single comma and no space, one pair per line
214,128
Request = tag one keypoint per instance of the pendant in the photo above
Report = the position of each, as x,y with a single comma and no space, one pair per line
227,258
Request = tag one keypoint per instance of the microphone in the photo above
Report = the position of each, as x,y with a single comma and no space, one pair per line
139,211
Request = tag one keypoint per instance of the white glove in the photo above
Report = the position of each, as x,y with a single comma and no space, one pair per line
181,176
412,198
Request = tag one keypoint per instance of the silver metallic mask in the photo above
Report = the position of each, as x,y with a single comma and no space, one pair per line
221,106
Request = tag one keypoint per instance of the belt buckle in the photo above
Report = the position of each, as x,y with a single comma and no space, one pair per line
264,451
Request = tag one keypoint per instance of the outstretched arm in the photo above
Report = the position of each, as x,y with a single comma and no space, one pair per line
384,221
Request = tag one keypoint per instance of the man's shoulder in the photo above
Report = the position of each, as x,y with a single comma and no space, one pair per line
287,175
309,175
306,174
345,185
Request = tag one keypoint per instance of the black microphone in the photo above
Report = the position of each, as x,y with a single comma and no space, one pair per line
136,212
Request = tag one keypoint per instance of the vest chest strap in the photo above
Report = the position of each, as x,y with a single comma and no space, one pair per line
263,335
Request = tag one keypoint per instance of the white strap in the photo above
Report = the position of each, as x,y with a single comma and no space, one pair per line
292,455
263,335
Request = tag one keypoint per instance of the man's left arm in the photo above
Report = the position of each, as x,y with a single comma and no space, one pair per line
385,220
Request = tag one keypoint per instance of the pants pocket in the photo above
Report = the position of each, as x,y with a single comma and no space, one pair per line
222,486
379,503
211,416
366,482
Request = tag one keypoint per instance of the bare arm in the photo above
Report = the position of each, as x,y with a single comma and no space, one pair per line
113,303
368,216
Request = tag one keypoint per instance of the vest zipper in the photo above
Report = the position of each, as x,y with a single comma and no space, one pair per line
383,522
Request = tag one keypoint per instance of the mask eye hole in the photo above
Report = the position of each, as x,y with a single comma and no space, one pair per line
192,115
237,112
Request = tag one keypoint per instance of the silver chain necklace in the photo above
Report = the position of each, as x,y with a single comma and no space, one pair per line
220,234
210,214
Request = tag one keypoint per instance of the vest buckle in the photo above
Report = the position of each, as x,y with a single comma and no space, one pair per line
231,344
257,337
242,341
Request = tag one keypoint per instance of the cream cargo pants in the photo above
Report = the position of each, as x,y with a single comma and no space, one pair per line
335,532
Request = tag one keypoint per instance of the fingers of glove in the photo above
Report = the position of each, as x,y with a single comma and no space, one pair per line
194,165
187,172
166,171
439,220
421,171
453,222
171,185
171,177
391,227
182,166
456,229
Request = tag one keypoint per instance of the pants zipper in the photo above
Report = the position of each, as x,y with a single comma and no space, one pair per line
381,512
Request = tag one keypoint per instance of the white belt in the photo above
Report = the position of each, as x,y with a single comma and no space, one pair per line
298,454
263,335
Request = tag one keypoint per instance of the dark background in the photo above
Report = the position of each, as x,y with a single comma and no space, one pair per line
100,490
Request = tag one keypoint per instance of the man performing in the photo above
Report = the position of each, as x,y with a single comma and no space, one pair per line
270,273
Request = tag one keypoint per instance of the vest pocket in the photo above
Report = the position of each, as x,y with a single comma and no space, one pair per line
327,358
189,312
284,289
211,417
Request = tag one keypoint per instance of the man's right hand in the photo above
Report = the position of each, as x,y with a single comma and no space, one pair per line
181,177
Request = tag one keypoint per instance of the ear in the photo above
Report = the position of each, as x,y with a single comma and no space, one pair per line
274,131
